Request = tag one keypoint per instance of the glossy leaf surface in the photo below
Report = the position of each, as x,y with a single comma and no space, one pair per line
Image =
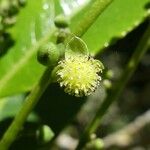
19,69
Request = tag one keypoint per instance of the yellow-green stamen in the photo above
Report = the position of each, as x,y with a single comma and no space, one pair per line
79,75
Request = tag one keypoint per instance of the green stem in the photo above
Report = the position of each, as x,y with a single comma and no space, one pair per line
116,91
13,130
93,12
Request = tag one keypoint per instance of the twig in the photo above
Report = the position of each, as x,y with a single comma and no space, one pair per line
128,135
117,89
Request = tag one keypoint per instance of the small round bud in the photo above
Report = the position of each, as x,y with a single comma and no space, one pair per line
14,7
62,34
61,21
22,2
96,144
109,74
48,54
107,84
44,134
93,136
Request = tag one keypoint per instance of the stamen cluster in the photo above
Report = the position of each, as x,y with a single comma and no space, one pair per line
79,75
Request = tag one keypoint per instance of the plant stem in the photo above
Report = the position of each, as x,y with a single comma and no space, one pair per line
93,12
116,91
12,132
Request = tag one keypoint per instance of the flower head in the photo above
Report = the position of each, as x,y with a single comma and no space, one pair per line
79,75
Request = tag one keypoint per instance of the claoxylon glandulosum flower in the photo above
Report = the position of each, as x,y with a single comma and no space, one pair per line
79,74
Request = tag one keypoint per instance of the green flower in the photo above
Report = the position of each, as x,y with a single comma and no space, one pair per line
79,74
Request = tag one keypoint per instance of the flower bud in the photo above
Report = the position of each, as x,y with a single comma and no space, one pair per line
96,144
48,54
44,134
61,21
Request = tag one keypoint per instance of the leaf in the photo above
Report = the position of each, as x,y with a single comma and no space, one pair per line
76,46
9,107
115,22
19,69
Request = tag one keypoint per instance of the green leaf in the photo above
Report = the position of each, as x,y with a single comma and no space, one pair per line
19,69
76,46
115,22
9,107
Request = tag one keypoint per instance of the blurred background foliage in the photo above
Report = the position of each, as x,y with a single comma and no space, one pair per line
112,39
